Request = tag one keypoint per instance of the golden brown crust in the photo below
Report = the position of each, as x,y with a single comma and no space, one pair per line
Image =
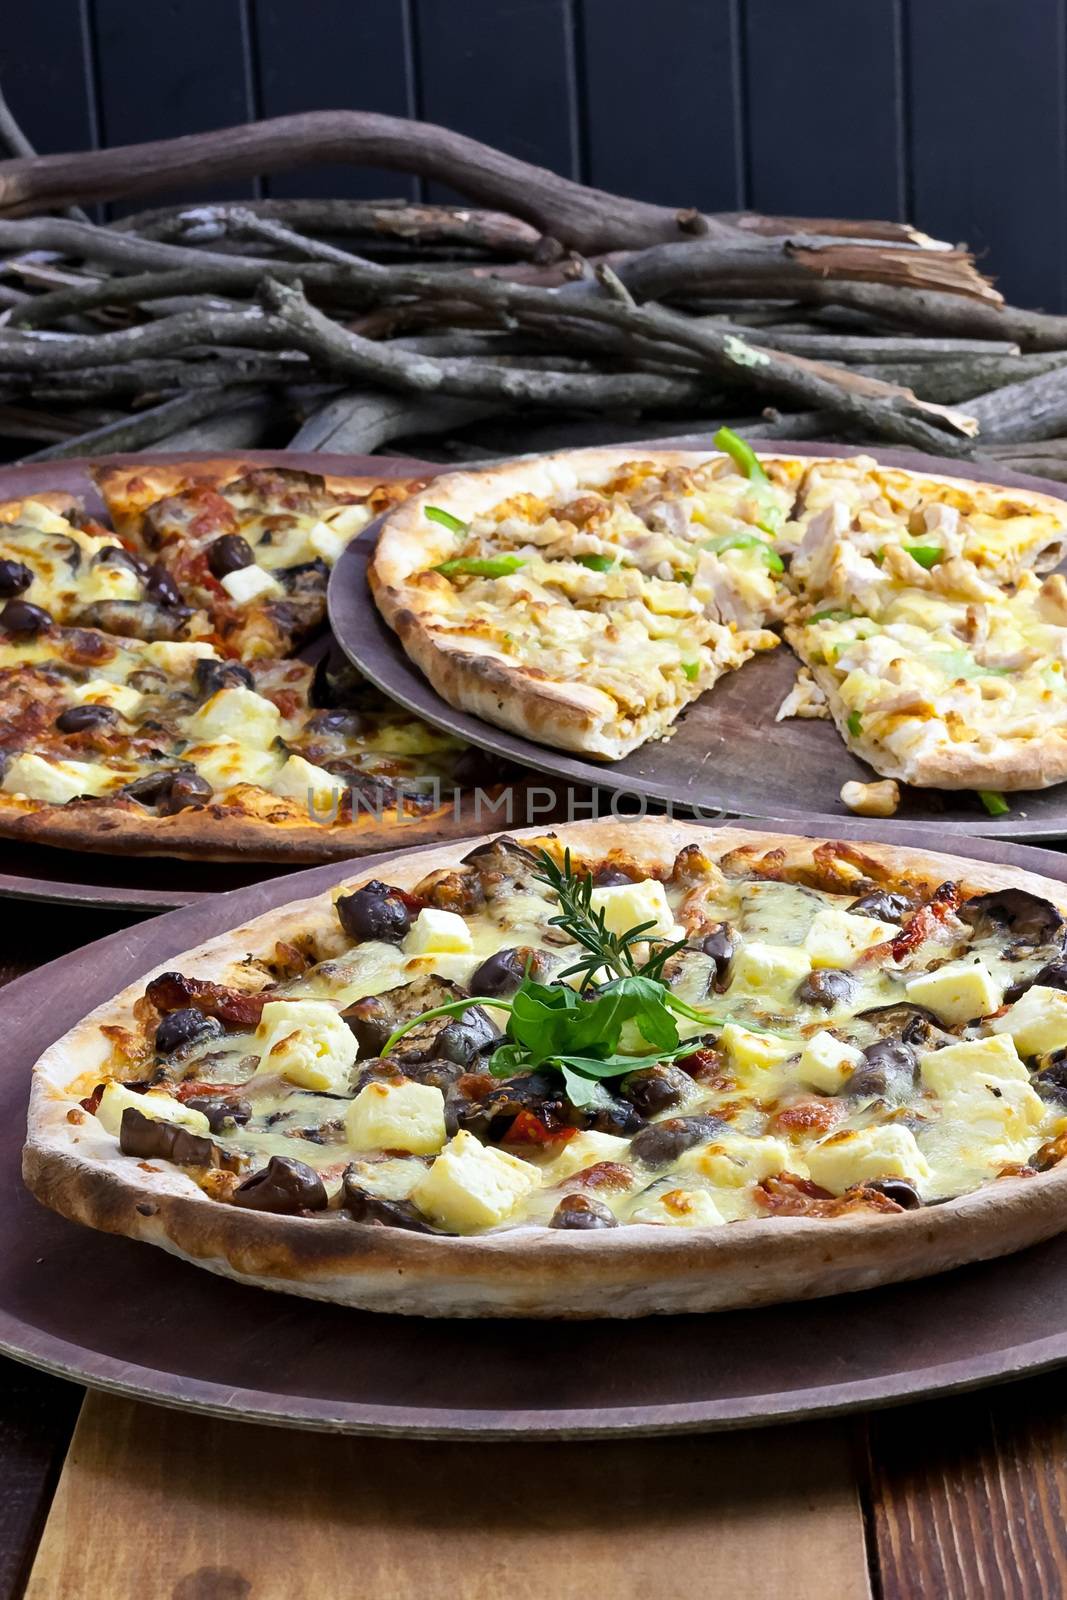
57,500
633,1271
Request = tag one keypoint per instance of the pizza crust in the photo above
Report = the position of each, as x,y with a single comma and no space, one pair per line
635,1270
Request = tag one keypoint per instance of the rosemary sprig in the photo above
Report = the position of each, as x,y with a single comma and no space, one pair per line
611,952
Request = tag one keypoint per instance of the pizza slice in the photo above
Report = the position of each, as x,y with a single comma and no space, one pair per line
252,547
586,599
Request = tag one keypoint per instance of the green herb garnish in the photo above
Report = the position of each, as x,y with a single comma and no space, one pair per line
446,519
480,566
927,555
854,724
745,541
579,1031
741,454
994,802
596,563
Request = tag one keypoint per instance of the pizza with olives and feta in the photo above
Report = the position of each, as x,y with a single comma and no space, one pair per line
613,1070
586,599
150,703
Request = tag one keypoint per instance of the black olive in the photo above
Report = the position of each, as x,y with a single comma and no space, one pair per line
374,912
609,876
489,1115
612,1115
663,1142
502,972
151,1138
182,1027
1051,1081
283,1186
15,578
502,854
219,1110
655,1089
826,988
580,1211
467,1037
365,1207
161,587
719,945
77,719
897,1189
882,906
1027,918
24,620
914,1024
149,790
888,1071
1052,976
187,789
211,676
346,724
229,554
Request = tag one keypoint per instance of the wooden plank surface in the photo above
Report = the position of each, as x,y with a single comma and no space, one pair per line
968,1496
205,1510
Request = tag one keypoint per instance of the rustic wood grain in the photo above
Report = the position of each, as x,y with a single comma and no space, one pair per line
37,1416
222,1510
968,1496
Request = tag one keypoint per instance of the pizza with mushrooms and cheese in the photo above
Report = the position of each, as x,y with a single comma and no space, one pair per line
614,1070
586,599
151,697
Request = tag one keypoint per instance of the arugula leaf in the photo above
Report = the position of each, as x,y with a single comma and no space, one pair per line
480,566
446,519
741,454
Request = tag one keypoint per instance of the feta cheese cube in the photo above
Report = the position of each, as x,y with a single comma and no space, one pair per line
837,938
325,542
769,969
250,583
391,1177
957,991
307,1043
116,1099
397,1116
1037,1021
435,930
310,786
629,905
101,692
970,1063
178,659
56,782
735,1159
680,1208
471,1186
225,763
237,714
746,1051
826,1063
857,1154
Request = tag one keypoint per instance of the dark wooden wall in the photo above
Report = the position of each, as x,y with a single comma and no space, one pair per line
950,112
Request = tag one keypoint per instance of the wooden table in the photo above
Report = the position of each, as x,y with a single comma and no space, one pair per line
106,1499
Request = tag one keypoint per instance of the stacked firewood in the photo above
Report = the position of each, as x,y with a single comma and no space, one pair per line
552,314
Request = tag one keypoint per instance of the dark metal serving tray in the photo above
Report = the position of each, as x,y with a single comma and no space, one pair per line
726,755
126,1317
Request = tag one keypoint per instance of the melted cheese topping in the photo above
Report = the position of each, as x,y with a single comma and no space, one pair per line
785,1079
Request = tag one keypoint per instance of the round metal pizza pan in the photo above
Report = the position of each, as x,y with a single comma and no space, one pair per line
130,1319
726,755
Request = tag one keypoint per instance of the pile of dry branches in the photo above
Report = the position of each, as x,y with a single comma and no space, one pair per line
552,314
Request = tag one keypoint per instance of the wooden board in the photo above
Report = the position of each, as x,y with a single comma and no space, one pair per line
716,760
77,1303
